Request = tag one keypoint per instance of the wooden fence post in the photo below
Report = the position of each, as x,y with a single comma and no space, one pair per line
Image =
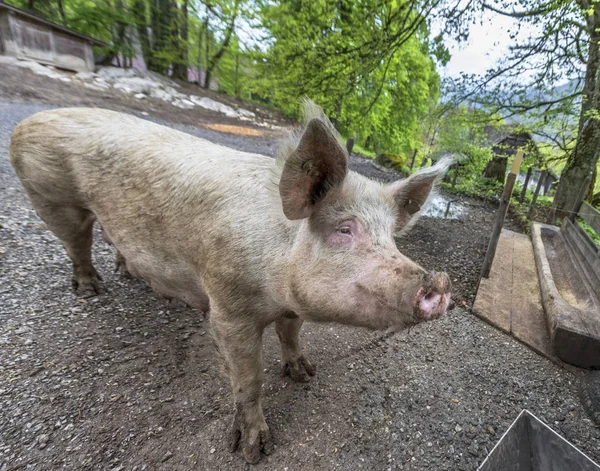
350,145
535,195
412,160
455,175
525,183
500,215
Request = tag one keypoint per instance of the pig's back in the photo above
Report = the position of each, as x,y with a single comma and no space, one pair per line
167,200
113,155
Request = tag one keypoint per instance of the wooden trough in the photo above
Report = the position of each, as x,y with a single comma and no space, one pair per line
568,264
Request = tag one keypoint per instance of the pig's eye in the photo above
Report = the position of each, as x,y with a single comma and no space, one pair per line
345,230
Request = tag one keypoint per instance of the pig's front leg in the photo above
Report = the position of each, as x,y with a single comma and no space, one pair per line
240,344
293,362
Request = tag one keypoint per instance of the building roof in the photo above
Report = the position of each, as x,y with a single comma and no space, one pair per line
39,19
496,134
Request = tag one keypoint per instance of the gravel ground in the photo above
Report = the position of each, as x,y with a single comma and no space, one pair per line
130,381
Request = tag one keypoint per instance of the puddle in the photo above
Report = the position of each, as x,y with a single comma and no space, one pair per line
444,208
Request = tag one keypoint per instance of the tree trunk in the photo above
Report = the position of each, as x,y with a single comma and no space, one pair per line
141,23
590,196
160,12
496,168
583,159
119,35
180,69
228,32
61,11
199,54
206,83
236,90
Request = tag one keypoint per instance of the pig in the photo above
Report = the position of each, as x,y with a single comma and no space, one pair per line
249,239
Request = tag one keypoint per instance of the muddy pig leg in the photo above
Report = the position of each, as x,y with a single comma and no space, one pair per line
240,345
73,225
293,362
120,263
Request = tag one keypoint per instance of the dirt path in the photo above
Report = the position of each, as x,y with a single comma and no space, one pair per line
130,381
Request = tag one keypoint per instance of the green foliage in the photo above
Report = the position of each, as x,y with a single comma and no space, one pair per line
362,151
484,188
359,60
392,160
590,230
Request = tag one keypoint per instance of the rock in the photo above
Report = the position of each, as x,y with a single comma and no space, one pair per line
184,104
136,85
246,113
94,86
161,95
43,440
139,96
86,75
473,450
213,105
115,72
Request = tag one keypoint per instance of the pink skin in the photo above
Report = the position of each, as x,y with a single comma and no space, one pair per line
431,305
378,288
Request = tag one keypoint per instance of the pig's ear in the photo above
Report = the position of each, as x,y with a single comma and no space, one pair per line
411,194
318,164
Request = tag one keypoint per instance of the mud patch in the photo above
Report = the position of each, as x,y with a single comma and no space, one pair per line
237,130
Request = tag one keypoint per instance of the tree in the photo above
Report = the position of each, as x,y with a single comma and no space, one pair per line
564,47
227,13
368,63
180,69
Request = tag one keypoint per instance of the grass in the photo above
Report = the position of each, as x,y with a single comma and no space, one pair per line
362,151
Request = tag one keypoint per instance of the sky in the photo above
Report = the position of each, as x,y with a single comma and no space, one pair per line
488,42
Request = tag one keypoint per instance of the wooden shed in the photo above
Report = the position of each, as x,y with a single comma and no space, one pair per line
505,141
27,36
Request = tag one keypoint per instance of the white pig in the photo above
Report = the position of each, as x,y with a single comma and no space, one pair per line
247,238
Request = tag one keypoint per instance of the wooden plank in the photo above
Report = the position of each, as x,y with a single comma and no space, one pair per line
585,252
590,215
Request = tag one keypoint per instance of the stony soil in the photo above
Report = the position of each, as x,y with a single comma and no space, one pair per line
130,381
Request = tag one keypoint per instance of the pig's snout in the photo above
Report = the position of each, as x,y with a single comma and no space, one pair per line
434,297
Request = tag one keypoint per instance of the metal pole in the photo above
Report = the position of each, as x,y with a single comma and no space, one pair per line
500,215
525,184
535,195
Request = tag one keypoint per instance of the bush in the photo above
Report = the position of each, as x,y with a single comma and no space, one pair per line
477,188
391,160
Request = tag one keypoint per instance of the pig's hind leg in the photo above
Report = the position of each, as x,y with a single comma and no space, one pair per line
73,225
293,363
120,262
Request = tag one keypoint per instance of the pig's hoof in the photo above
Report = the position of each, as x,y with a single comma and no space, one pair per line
121,267
89,289
122,270
300,370
253,440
